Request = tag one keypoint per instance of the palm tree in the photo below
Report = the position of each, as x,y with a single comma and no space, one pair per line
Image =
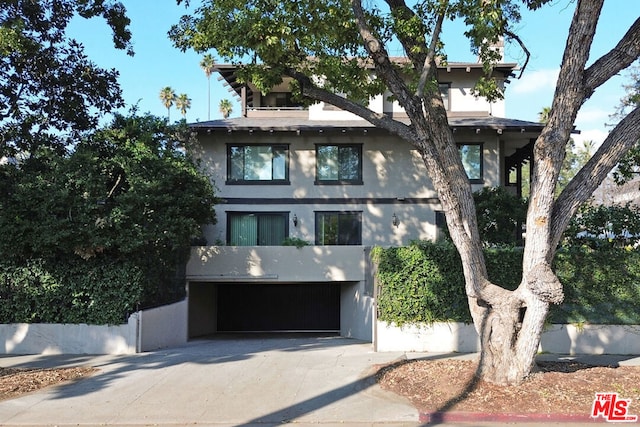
207,64
183,103
168,96
543,116
225,107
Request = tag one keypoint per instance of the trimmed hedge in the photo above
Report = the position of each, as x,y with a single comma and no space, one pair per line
423,282
77,291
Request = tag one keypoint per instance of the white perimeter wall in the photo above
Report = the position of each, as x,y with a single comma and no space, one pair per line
460,337
145,330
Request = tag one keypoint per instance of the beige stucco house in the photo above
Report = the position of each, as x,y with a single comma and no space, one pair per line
329,178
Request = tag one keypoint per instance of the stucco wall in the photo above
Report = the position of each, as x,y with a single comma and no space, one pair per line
395,181
42,338
164,326
459,337
145,331
277,263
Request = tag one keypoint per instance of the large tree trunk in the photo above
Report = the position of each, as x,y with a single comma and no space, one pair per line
510,323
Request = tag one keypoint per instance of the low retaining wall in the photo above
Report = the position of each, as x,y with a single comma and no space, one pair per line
460,337
145,331
46,338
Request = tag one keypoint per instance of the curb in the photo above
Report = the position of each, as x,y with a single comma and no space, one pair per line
468,417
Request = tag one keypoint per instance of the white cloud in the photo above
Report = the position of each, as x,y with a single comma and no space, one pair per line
535,81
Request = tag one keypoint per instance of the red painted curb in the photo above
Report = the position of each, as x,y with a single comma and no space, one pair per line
467,417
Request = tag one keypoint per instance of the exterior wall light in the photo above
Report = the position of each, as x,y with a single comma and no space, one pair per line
394,220
295,220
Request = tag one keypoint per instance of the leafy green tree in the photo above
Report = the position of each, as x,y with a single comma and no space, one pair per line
225,108
628,167
604,226
126,192
168,97
278,38
50,92
208,65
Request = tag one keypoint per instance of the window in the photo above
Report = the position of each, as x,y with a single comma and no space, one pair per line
257,229
339,164
471,155
338,228
280,100
444,93
441,226
258,164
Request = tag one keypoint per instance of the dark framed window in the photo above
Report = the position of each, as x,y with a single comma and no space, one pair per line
338,228
471,155
257,228
444,93
255,164
441,226
339,164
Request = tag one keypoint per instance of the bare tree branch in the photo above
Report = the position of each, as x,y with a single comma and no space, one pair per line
582,186
430,59
517,38
620,57
309,89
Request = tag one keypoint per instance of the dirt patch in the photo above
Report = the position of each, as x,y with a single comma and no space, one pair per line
558,387
16,382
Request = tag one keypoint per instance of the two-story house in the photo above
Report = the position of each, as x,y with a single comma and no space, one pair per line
329,178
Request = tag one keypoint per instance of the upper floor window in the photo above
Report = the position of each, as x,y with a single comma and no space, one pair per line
257,228
339,164
338,228
257,164
444,93
471,155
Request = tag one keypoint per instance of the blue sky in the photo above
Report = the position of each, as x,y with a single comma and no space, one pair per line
157,63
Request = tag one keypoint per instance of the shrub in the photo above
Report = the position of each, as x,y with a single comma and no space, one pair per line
78,291
423,282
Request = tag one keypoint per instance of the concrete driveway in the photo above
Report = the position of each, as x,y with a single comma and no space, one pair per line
224,381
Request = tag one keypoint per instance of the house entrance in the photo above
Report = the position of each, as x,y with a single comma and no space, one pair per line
260,307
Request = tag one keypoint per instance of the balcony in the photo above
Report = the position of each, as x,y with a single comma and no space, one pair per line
278,264
293,112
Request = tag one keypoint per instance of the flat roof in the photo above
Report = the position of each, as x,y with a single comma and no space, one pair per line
283,124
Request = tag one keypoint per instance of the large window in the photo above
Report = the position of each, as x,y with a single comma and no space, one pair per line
471,155
257,229
339,164
258,164
338,228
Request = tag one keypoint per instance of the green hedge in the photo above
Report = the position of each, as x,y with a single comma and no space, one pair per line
423,282
76,291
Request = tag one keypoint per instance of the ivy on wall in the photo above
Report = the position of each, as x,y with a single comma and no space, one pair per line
423,282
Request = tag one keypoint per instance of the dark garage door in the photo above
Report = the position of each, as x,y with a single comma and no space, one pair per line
278,307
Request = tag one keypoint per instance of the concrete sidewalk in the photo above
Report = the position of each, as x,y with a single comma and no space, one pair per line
228,381
245,381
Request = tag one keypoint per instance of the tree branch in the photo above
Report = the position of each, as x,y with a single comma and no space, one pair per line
620,57
430,59
309,89
381,61
517,38
585,182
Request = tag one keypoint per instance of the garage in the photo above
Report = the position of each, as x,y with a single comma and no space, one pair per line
263,307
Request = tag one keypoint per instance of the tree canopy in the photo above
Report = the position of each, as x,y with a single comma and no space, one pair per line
50,92
127,193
